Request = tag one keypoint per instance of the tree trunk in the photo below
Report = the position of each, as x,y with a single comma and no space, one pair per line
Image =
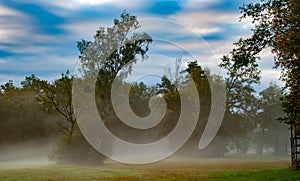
71,132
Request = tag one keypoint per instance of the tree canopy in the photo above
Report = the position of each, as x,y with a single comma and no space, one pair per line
276,25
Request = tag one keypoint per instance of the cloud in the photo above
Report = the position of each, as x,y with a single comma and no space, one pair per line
19,34
86,29
188,45
99,2
266,59
271,74
25,49
2,61
212,24
268,76
47,67
131,4
198,5
75,5
6,11
27,41
204,18
34,63
12,21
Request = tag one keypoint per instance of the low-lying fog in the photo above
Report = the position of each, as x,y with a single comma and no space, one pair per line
27,154
34,154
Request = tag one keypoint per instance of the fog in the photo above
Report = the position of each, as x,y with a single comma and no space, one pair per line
35,154
27,154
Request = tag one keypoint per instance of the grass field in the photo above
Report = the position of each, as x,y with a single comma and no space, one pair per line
172,169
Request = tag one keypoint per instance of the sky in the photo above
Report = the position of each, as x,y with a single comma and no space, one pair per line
39,36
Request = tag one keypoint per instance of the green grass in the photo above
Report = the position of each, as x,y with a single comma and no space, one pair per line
85,173
257,175
66,173
215,169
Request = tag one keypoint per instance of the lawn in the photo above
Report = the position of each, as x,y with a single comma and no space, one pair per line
208,169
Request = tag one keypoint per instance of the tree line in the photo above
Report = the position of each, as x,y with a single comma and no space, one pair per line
250,119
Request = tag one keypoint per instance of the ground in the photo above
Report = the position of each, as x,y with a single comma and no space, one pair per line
233,168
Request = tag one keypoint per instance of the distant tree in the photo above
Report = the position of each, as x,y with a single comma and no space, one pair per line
271,132
241,101
21,116
7,87
166,86
171,83
174,73
171,87
139,97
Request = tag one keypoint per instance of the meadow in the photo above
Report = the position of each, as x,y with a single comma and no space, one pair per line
270,168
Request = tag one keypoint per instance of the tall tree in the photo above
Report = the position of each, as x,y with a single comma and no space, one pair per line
277,25
112,50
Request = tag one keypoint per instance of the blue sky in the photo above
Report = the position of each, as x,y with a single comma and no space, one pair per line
39,36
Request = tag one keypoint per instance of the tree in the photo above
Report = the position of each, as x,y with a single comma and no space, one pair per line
7,87
22,118
277,25
56,96
171,88
271,132
241,103
139,97
110,56
175,73
113,51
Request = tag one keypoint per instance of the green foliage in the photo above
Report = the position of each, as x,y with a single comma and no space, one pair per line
55,97
241,102
112,50
277,25
170,89
22,118
268,125
139,97
9,86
